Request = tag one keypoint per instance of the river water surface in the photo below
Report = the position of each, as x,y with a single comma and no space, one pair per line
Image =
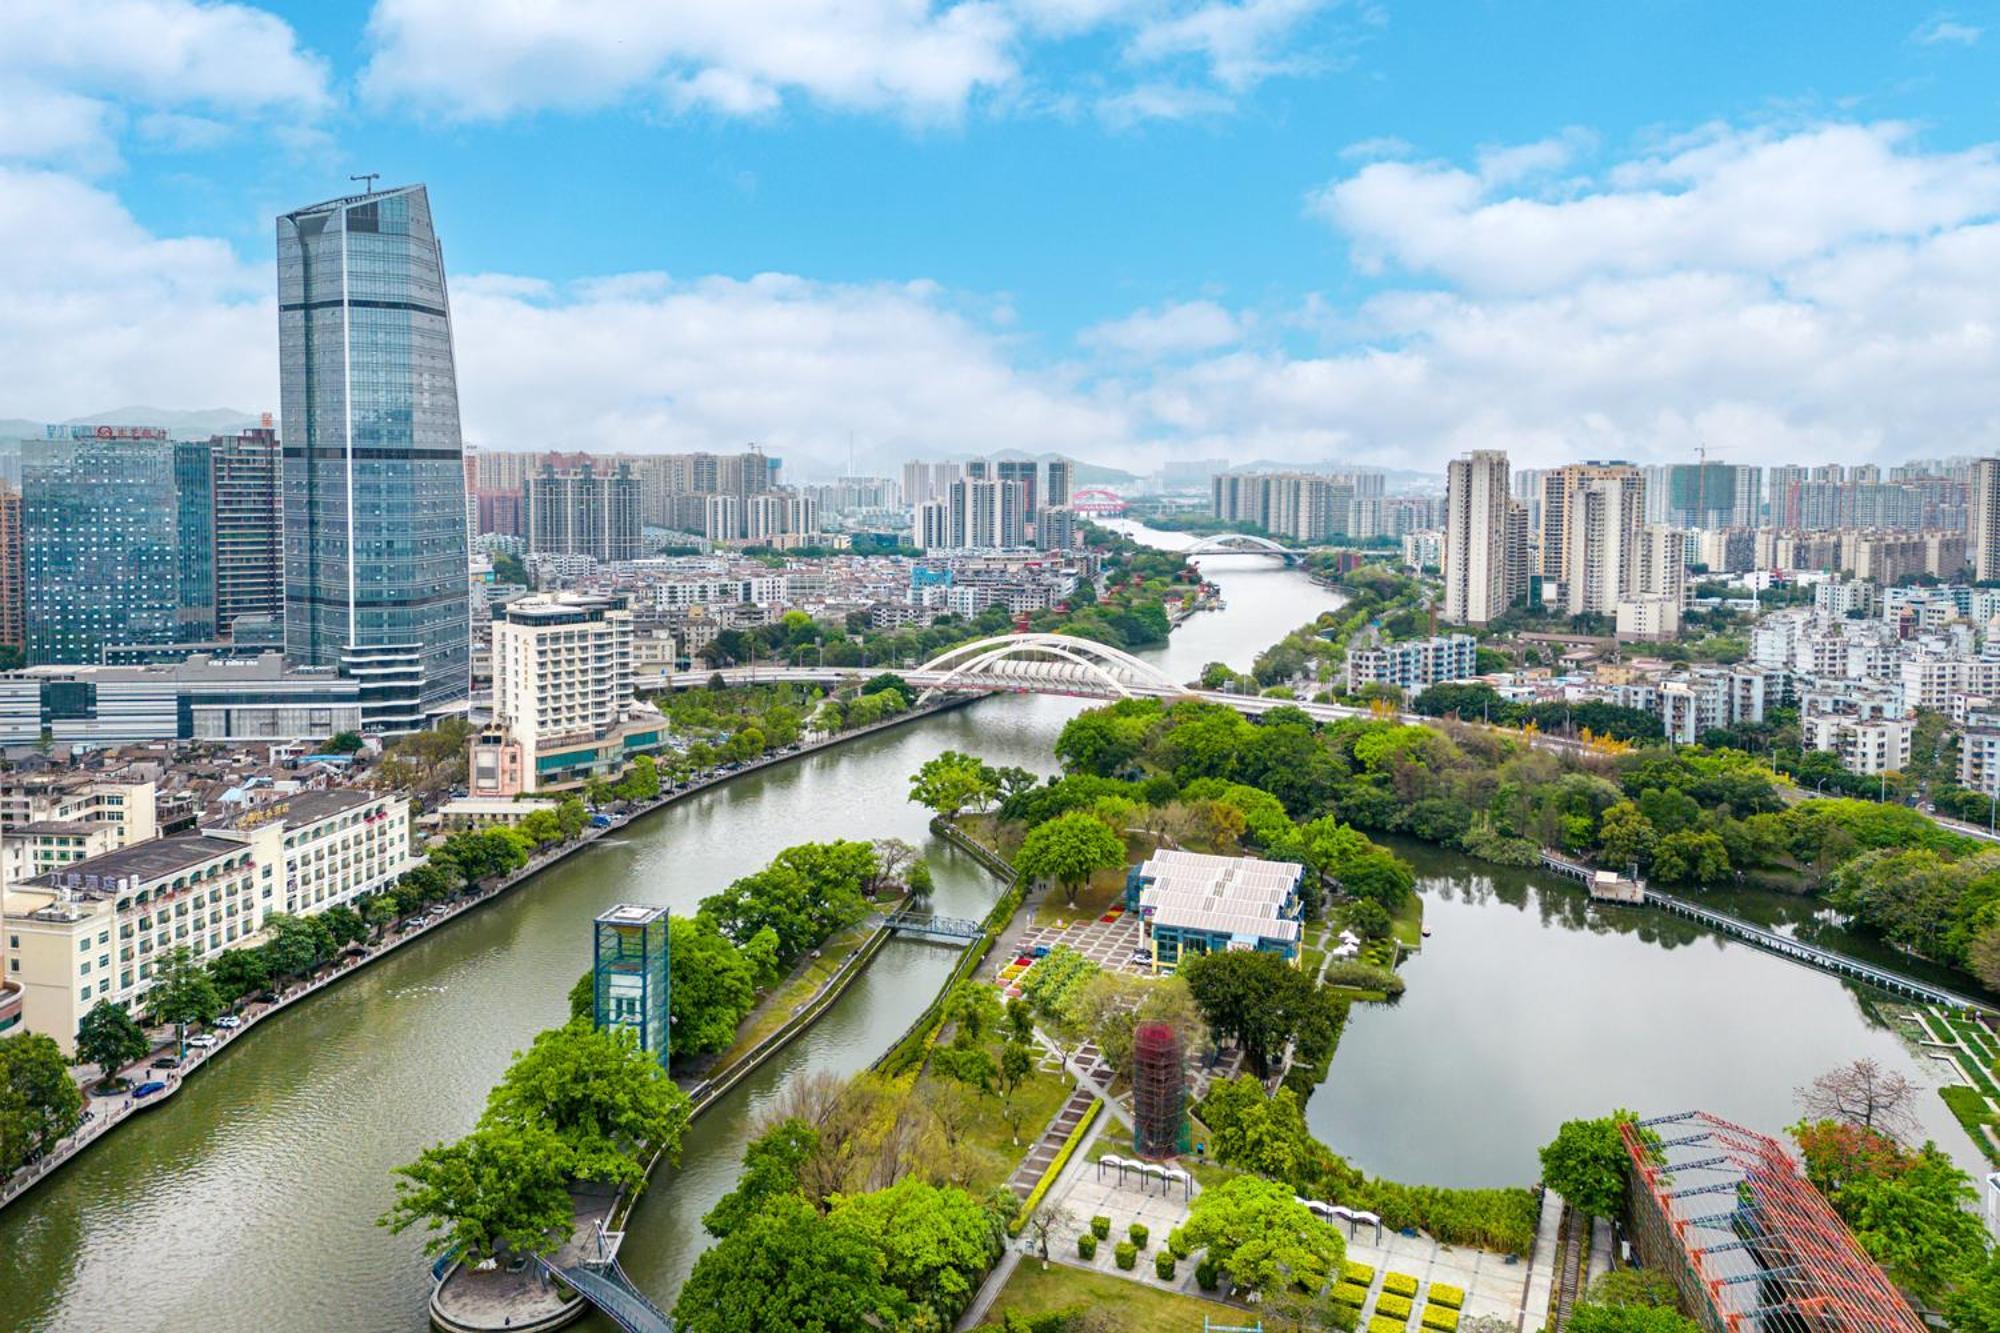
248,1201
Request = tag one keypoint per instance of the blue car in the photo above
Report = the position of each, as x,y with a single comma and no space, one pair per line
148,1089
600,821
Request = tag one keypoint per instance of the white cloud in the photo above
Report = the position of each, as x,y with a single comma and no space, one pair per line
1875,335
488,61
1743,201
1192,326
77,72
926,60
101,312
1241,42
1943,28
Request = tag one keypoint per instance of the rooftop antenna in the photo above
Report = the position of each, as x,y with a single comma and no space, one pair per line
368,180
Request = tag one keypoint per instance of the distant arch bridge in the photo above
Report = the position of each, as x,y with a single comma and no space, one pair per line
1242,543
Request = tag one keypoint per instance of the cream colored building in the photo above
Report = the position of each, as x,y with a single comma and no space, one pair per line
95,929
48,844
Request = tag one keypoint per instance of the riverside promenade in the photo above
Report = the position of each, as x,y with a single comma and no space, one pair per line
108,1113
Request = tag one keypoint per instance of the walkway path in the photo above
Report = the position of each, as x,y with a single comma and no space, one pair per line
1535,1309
1025,1176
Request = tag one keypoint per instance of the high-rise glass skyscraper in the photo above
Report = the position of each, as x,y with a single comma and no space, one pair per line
100,526
376,578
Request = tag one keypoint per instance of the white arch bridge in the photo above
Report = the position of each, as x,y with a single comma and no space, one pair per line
1013,664
1241,543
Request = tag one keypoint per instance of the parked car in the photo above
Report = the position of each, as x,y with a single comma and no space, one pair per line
202,1041
166,1062
600,821
229,1021
148,1089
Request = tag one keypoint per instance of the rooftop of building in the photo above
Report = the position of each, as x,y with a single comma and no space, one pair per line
349,200
156,858
1234,894
59,828
301,808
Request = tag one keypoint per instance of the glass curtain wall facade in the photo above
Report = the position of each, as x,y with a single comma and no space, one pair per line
100,546
375,541
194,490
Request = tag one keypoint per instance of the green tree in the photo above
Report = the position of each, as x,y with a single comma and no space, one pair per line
1067,850
109,1038
1256,998
1589,1317
239,972
1974,1306
937,1243
1370,920
1626,836
500,1188
583,996
771,1166
343,742
39,1102
711,987
1265,1134
785,1269
599,1094
953,781
182,992
1586,1163
1691,856
973,1007
1262,1236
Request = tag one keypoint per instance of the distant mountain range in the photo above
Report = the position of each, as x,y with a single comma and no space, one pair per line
208,421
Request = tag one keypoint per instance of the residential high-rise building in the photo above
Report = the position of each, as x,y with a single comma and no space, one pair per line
1713,495
100,540
1477,504
724,518
1061,484
1558,489
1983,504
994,514
931,528
247,482
1602,519
1021,471
13,625
583,512
194,502
376,572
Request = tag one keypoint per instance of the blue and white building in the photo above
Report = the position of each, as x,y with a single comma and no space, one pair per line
1190,903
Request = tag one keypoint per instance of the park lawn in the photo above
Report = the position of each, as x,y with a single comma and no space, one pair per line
1040,1097
1133,1307
1105,891
1409,922
805,981
1972,1112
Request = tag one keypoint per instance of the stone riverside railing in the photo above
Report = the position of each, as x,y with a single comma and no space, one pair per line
110,1112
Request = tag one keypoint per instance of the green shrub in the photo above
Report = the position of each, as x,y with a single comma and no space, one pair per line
1125,1255
1351,1293
1451,1298
1396,1307
1138,1233
1177,1244
1357,1271
1163,1265
1380,1325
1086,1246
1400,1284
1442,1318
1207,1274
1100,1227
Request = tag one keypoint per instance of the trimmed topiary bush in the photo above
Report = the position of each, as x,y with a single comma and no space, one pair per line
1207,1275
1400,1284
1125,1255
1440,1318
1177,1244
1359,1272
1394,1306
1086,1246
1351,1293
1163,1265
1138,1233
1450,1297
1381,1325
1100,1227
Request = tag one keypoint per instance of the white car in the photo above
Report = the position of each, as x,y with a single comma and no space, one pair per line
201,1041
229,1021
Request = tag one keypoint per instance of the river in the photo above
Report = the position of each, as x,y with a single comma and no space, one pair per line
248,1201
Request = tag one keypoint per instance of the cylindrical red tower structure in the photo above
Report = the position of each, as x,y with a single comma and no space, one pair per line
1159,1090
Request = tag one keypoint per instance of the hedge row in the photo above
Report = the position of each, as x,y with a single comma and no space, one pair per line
1034,1198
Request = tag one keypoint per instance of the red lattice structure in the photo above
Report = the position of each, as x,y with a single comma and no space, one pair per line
1753,1247
1159,1091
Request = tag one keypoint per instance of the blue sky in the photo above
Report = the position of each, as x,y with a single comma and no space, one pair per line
1129,228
